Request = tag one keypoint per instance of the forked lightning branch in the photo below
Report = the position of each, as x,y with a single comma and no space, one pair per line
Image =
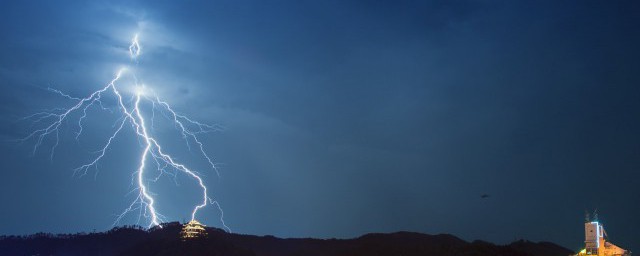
153,156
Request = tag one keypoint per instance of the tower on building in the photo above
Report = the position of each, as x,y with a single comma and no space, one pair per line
596,240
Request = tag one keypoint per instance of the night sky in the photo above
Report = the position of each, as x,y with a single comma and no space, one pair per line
340,117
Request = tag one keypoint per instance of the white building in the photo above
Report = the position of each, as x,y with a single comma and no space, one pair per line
193,229
596,244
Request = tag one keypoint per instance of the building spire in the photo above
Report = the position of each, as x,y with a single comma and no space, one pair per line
587,218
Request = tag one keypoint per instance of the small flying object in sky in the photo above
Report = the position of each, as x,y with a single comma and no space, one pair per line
483,196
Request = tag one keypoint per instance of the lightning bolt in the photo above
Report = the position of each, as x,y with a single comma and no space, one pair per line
131,114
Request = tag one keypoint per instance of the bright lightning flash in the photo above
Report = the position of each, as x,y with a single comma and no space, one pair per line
144,203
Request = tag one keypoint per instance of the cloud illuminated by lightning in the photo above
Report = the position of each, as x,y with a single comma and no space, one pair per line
131,114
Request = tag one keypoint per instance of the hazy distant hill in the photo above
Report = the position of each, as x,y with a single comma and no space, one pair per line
165,241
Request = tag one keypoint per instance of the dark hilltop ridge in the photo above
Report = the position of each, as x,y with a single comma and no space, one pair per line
131,240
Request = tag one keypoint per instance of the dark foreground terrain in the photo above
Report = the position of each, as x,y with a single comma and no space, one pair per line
165,241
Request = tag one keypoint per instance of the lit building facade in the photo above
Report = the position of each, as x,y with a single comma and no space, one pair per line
596,244
193,229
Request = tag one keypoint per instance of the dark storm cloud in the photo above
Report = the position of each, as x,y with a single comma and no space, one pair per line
352,117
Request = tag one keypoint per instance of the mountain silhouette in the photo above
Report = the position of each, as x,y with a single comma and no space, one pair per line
133,240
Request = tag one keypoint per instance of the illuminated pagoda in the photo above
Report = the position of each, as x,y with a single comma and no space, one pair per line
193,229
596,241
